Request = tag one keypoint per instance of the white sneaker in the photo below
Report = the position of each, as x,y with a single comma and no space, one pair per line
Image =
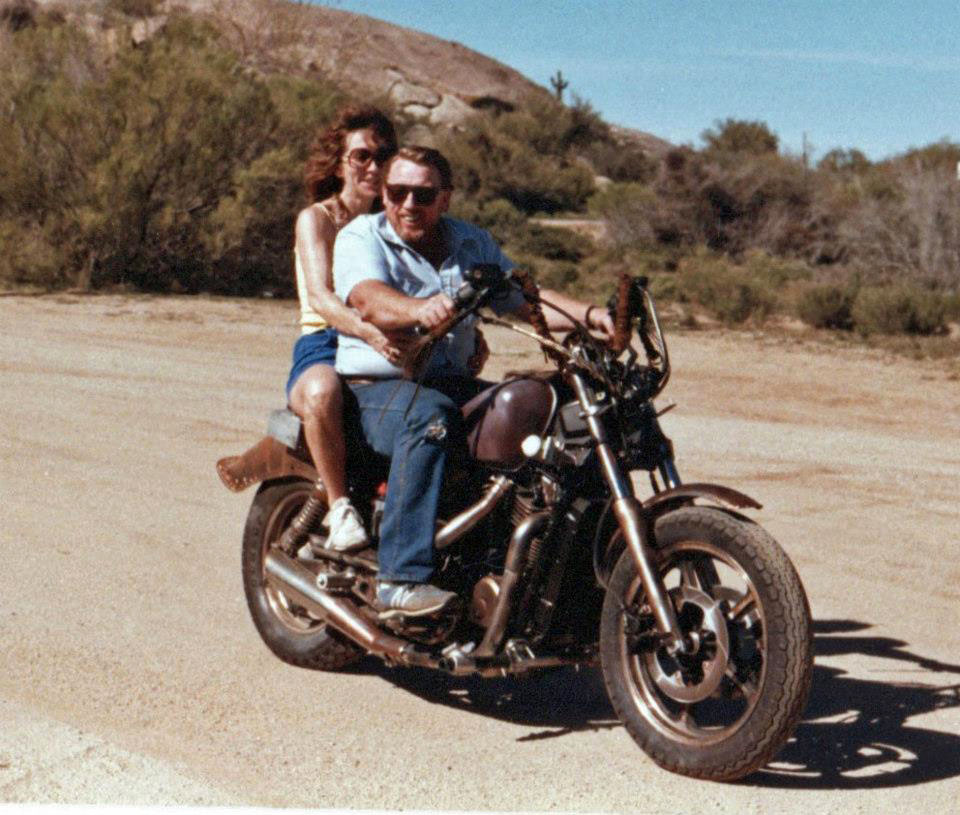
346,527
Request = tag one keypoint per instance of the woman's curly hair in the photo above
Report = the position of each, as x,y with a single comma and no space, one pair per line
326,153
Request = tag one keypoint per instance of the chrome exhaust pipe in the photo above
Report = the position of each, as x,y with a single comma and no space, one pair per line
459,525
298,583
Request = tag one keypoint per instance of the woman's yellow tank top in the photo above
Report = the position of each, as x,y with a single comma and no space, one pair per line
310,319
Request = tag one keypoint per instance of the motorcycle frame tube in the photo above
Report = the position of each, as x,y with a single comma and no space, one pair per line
459,525
629,515
513,566
299,583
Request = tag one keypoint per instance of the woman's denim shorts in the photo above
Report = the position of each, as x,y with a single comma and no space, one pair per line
319,348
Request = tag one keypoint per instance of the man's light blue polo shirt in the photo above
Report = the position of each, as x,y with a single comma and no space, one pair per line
368,248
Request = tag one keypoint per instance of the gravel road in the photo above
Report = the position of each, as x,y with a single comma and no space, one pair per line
133,675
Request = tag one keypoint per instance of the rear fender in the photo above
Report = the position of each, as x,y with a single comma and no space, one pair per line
279,455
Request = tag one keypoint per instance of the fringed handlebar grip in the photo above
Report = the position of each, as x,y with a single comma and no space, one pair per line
621,320
532,295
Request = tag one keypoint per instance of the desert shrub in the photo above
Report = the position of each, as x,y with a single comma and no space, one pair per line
827,305
620,162
553,243
850,162
561,275
527,157
731,137
908,229
160,167
730,293
775,270
951,306
503,220
134,8
18,14
628,210
898,309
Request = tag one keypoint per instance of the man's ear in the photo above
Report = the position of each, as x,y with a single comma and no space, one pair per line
445,200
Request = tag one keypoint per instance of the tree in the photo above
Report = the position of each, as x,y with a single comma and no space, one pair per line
733,136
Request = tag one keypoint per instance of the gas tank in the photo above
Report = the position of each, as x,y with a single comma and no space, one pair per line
501,417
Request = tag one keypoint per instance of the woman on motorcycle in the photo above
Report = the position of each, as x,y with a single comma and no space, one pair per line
342,177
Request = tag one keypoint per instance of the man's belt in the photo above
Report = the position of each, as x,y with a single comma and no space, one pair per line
360,380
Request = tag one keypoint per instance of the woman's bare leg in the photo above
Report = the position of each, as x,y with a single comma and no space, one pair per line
317,399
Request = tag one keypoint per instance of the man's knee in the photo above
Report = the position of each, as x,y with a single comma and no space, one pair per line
435,416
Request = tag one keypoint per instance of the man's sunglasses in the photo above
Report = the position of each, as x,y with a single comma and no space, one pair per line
360,157
422,196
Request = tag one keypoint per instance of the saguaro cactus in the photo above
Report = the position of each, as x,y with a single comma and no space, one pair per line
559,84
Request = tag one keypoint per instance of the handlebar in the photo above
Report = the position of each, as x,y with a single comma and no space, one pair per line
630,306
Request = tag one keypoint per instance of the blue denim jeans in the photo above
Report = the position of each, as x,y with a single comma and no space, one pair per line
418,438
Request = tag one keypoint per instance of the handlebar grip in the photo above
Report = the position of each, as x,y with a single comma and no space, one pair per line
531,294
621,319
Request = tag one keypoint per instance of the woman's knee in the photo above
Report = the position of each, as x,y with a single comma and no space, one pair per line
320,392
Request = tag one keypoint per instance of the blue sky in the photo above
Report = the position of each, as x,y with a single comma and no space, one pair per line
877,76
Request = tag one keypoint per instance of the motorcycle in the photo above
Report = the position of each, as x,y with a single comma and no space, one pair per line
695,615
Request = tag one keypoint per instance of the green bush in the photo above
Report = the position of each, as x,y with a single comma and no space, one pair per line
503,220
730,293
134,8
161,166
827,305
774,270
629,211
528,157
553,243
951,306
560,275
899,309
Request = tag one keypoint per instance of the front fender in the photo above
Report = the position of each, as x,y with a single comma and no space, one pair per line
687,492
609,544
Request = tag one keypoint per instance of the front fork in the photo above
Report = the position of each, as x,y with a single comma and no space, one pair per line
629,515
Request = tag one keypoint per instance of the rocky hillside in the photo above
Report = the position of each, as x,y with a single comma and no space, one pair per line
425,79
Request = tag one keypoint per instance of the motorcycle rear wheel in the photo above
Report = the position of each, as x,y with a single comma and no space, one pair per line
727,709
286,628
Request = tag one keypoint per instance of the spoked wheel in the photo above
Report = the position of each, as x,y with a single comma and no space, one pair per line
727,705
288,630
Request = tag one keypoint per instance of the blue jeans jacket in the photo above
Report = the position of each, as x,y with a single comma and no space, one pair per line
418,438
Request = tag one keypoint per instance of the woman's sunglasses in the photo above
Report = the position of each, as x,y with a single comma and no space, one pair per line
360,157
422,196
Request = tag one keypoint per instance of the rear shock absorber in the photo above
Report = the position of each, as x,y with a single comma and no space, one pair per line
306,519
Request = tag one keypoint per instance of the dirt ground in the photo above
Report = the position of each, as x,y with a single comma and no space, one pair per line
131,673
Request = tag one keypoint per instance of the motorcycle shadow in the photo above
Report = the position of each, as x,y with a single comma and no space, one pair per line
854,733
557,700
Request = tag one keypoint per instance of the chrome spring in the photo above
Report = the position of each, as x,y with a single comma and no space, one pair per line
523,508
306,518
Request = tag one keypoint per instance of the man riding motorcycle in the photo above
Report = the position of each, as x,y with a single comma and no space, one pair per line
400,269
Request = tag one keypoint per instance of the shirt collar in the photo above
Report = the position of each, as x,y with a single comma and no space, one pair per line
456,236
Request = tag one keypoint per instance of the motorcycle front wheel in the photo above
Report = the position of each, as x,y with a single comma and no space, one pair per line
287,629
726,707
